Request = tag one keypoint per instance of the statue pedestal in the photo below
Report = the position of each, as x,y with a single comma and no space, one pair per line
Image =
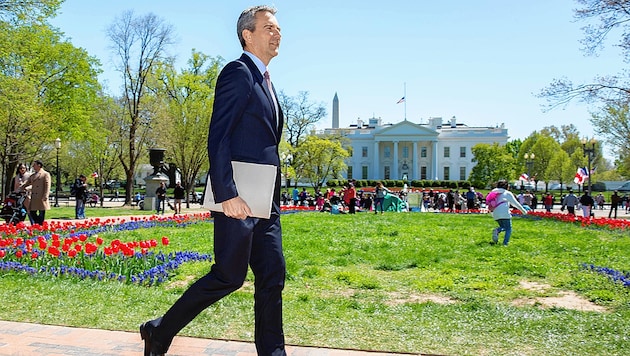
152,183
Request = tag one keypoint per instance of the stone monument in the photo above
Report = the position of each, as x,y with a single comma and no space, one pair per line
152,181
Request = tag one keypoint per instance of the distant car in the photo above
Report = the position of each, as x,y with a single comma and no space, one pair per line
625,187
196,197
558,186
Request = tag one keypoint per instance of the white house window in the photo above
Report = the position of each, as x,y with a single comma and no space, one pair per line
386,152
462,151
405,152
423,172
386,175
349,172
364,151
447,173
462,173
447,152
364,172
423,152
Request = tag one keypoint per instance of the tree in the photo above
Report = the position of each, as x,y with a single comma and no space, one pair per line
494,162
188,98
300,116
28,10
561,168
609,91
140,43
611,15
47,88
613,122
317,158
544,149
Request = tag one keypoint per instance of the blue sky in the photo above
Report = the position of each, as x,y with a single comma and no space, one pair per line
481,61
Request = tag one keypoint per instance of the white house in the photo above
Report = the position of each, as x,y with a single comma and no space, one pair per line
411,151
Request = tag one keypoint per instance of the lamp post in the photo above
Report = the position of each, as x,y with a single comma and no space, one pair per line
57,146
286,159
590,153
529,162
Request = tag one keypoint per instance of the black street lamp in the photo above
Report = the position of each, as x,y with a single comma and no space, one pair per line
286,159
529,162
590,153
57,146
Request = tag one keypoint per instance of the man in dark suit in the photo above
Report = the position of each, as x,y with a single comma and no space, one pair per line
246,126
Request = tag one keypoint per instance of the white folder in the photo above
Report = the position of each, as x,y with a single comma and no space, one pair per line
255,184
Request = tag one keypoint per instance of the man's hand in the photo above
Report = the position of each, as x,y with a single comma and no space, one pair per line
236,208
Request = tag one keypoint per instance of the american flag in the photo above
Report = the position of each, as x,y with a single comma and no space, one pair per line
524,177
402,100
581,175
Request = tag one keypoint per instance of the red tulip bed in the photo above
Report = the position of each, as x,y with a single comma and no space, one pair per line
75,249
614,224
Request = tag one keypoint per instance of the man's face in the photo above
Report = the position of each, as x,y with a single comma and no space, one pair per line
36,167
264,41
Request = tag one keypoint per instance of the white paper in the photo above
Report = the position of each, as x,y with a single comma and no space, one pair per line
255,184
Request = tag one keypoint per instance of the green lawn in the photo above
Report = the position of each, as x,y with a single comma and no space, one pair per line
398,282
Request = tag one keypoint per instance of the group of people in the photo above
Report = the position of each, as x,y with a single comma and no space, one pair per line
347,200
36,185
179,194
451,200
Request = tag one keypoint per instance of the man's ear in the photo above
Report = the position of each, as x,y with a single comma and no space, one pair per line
247,35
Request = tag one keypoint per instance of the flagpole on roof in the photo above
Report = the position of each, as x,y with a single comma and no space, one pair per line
405,96
404,99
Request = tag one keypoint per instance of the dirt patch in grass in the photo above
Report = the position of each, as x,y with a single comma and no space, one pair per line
399,298
564,299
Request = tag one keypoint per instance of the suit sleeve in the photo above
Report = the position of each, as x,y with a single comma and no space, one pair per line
234,86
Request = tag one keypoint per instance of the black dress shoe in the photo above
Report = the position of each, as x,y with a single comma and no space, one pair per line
146,333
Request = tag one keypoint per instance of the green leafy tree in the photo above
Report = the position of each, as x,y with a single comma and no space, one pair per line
317,158
561,168
544,148
139,43
494,162
47,90
613,122
28,11
188,97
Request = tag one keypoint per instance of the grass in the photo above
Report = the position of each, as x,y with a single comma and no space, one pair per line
429,283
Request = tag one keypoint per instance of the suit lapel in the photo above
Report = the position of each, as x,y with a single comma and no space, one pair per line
259,80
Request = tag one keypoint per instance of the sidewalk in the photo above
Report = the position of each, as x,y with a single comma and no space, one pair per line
24,339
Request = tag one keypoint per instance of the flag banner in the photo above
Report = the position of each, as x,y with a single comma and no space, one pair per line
524,177
94,175
581,175
402,100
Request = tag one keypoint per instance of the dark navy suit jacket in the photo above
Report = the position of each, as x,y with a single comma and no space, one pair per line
243,126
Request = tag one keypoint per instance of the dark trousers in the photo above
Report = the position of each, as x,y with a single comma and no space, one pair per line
612,206
237,243
37,216
352,206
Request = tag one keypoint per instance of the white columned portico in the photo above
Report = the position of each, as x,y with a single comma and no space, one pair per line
394,173
375,173
414,161
434,169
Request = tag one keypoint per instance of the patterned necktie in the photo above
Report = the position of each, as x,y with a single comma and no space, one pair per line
273,97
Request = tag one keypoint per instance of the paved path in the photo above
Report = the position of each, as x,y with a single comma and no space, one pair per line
24,339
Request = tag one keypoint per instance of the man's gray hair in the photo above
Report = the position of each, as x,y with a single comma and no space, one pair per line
247,20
